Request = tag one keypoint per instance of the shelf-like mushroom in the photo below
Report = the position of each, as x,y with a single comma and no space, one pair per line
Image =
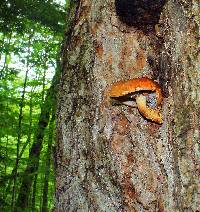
135,88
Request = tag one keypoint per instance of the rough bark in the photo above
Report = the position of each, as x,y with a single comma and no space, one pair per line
109,158
180,25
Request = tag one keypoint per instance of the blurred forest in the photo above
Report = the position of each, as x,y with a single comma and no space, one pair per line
31,33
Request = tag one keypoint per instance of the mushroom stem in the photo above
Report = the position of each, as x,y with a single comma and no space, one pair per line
148,113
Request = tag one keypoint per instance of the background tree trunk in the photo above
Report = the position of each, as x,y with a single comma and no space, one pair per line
109,158
48,163
19,131
34,155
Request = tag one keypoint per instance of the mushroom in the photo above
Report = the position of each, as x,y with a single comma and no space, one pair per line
149,113
137,88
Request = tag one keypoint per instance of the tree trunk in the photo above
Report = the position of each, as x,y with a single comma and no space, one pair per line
34,155
109,157
32,197
19,130
48,164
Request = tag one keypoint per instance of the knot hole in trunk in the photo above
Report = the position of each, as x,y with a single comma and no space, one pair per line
141,14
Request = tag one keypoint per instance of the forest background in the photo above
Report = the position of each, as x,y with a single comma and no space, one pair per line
31,33
108,157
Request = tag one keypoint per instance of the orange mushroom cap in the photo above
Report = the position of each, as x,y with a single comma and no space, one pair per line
139,84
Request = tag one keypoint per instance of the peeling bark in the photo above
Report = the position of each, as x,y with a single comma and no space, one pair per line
109,158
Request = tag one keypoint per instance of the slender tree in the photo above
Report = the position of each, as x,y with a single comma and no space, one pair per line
19,130
34,156
34,192
13,175
48,164
6,56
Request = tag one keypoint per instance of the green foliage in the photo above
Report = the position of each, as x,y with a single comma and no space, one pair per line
15,12
29,48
